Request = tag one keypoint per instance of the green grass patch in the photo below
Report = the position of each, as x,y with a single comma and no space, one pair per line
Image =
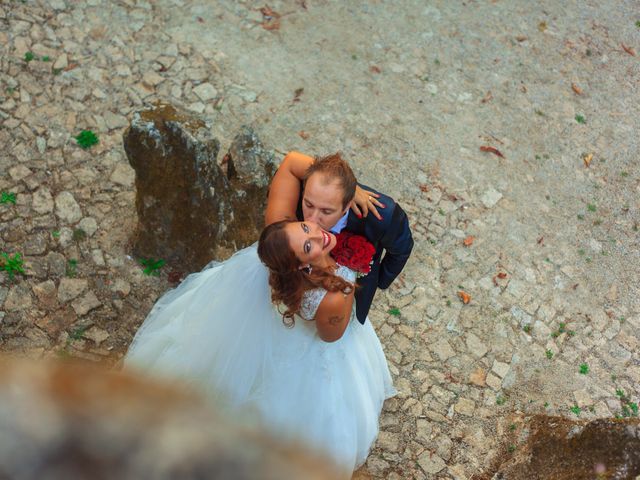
8,197
584,368
11,264
86,139
151,266
580,119
394,311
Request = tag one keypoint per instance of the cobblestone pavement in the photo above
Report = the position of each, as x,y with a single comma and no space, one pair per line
543,238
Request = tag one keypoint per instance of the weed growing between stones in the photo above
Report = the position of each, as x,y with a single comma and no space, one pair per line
86,139
11,265
151,266
8,197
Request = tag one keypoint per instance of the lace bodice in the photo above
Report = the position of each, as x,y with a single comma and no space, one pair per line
311,299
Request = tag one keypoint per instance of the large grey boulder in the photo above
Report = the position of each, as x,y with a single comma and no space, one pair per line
190,210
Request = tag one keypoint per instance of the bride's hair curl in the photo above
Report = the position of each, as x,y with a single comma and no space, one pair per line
288,282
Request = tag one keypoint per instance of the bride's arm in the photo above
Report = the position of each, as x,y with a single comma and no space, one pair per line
284,191
333,315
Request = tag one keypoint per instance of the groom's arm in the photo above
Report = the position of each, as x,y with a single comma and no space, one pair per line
398,243
284,191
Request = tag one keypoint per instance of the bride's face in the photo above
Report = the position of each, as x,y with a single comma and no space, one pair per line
310,243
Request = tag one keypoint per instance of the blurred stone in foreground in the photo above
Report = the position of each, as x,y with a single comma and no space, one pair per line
73,421
190,210
561,449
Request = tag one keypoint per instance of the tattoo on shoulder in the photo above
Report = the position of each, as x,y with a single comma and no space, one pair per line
335,320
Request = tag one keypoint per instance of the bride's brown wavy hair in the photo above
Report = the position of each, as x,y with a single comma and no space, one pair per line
288,282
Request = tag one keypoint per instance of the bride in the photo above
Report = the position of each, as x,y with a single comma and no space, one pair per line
279,344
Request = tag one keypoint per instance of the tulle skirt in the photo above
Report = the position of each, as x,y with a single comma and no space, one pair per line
218,332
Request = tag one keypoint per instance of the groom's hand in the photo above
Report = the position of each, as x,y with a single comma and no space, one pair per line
364,202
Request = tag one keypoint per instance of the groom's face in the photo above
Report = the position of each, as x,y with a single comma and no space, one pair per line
322,200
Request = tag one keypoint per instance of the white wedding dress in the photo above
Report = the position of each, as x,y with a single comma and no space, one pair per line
219,332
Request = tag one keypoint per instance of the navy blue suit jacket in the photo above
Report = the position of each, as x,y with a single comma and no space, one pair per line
393,242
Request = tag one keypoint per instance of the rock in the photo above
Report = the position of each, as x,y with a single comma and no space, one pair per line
19,172
46,294
560,448
56,321
205,92
423,430
115,121
123,175
152,79
475,346
70,288
490,198
18,298
442,349
36,244
88,225
41,144
478,377
96,335
494,382
500,369
57,264
117,425
431,463
61,62
465,406
98,257
189,211
88,302
121,286
67,209
389,441
42,201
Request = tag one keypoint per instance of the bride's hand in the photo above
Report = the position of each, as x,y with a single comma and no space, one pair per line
364,202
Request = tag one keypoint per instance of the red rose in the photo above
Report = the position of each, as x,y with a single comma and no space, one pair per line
353,251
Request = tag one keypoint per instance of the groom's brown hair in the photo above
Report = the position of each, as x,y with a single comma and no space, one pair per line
334,167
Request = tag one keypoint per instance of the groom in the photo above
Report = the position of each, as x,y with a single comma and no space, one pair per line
322,191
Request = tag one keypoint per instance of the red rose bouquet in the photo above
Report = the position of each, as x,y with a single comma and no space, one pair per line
353,251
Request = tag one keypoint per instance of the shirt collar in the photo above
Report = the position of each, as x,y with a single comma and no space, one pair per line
340,224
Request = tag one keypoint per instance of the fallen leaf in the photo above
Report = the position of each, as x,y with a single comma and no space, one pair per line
575,286
521,38
272,24
540,240
587,159
297,94
71,66
629,50
467,242
493,150
200,19
303,134
375,69
271,18
542,26
501,276
424,187
576,89
464,296
488,96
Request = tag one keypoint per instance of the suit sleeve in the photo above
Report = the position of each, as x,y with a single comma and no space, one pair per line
398,243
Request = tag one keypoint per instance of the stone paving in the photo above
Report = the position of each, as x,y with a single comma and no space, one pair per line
542,242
